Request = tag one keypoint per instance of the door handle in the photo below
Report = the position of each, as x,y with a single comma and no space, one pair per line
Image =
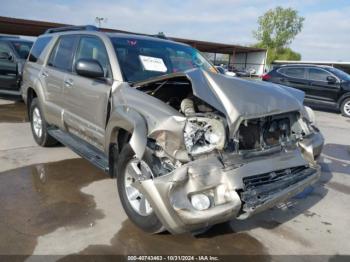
68,82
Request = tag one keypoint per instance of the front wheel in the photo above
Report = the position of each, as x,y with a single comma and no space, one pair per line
345,107
39,125
135,204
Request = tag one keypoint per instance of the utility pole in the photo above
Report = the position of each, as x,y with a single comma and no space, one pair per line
99,20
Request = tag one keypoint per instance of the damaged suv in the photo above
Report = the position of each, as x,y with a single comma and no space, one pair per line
189,147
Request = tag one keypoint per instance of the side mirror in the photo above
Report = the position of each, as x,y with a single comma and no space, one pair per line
89,68
5,56
331,79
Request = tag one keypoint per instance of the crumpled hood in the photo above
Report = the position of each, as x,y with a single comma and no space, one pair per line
242,99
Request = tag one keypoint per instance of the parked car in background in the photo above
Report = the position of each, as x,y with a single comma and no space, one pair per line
241,72
189,147
224,71
324,86
13,54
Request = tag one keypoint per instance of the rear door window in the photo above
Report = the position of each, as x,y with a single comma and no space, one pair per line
38,48
318,74
295,72
62,55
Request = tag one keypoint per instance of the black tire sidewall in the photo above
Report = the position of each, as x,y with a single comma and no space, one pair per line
148,223
342,107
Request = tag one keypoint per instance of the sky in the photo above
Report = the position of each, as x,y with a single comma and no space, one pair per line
325,35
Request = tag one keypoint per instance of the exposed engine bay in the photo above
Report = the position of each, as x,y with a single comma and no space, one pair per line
206,128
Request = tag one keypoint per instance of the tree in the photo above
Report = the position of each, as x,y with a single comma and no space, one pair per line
277,29
288,54
280,54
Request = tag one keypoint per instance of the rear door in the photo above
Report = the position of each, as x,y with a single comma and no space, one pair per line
87,98
320,88
58,65
293,77
8,68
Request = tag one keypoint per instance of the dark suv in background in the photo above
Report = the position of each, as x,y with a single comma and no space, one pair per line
324,86
13,53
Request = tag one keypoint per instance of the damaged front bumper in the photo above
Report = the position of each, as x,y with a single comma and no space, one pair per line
236,190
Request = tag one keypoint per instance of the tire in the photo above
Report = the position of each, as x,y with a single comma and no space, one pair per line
147,221
39,126
345,107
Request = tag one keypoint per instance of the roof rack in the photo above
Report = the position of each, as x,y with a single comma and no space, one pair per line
71,28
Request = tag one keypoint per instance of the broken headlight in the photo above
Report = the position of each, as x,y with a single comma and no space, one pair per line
308,120
310,115
203,134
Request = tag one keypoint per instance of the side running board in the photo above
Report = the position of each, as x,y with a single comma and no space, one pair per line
82,148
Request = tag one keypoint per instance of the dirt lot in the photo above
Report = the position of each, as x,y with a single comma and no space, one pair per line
53,202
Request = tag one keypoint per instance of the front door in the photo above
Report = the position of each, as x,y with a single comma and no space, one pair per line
87,98
8,69
320,88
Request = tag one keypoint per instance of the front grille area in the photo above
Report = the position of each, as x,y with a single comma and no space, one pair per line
259,188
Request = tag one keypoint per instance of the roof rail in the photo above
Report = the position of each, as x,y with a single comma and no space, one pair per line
301,64
160,35
9,36
71,28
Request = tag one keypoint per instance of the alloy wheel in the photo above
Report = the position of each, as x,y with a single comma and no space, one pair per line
347,108
37,122
134,169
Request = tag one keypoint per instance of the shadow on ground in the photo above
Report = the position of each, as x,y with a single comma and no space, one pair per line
323,108
219,240
340,155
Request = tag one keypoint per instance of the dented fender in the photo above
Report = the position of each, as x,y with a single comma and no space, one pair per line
145,117
131,121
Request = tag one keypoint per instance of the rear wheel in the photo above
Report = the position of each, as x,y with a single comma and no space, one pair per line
39,125
135,204
345,107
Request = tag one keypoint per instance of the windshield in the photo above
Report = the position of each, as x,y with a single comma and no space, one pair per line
143,59
22,48
341,74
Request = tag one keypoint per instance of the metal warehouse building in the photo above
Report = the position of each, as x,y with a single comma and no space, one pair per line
240,57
